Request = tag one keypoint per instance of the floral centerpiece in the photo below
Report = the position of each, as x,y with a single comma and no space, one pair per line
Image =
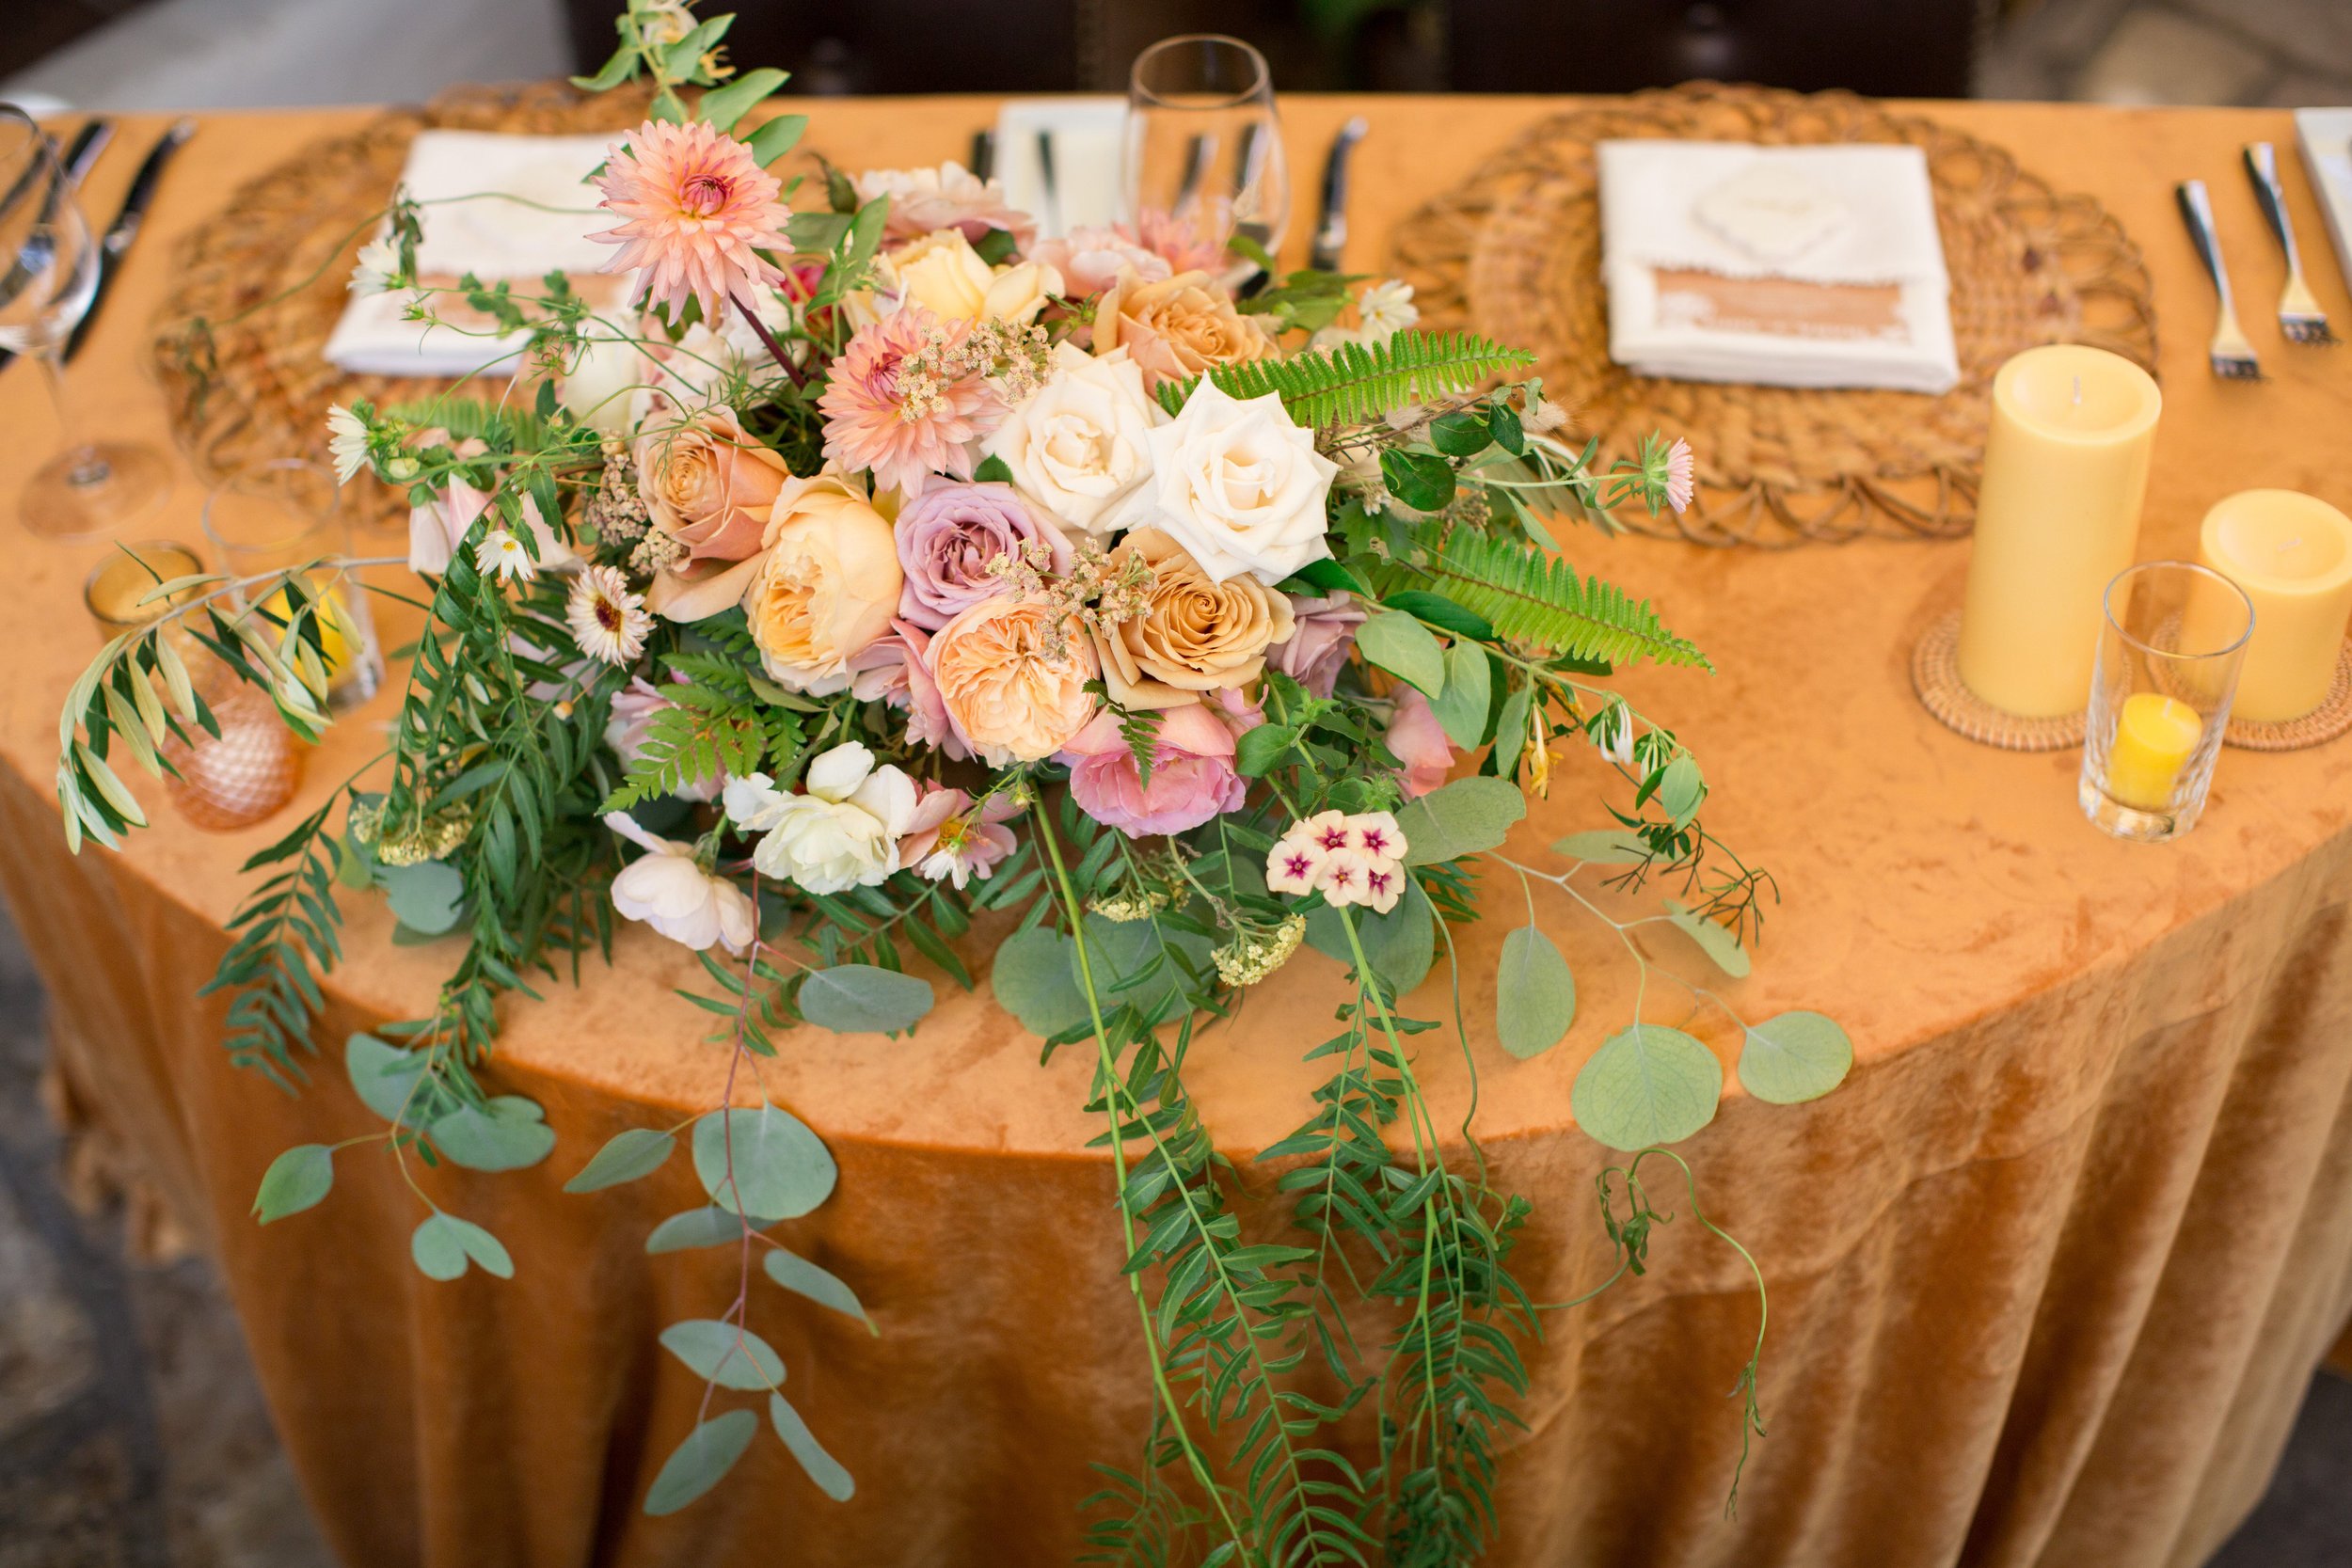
894,574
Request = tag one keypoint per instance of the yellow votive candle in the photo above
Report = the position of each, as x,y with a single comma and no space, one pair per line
116,591
2292,555
2058,516
2154,739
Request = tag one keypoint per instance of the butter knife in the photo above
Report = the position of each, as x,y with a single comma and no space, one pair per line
125,226
1322,253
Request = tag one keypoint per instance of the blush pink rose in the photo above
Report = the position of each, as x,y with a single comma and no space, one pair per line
1192,773
1323,631
950,539
631,723
891,668
710,486
1091,259
1420,743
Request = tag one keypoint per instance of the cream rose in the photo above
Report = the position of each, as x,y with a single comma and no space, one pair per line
1195,634
826,588
1076,447
709,486
1013,676
945,275
841,832
1239,485
1177,328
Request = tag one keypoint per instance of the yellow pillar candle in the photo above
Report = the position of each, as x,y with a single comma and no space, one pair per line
2058,516
2292,555
2154,739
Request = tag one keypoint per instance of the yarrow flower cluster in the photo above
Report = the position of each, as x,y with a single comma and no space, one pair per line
1354,859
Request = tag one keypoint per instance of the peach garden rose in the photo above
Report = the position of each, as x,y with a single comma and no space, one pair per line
1012,675
1177,328
826,588
709,486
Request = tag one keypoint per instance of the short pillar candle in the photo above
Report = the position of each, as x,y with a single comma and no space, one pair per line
2058,516
2292,555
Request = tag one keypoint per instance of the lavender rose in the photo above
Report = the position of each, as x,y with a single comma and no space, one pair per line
949,537
1317,649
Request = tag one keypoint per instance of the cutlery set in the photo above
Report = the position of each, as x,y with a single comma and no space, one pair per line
76,160
2301,317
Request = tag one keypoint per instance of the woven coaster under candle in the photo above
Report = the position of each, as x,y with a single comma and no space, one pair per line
246,390
1935,676
1515,253
2330,718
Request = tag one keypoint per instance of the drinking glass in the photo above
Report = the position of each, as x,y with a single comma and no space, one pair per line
1204,147
49,272
2169,651
284,513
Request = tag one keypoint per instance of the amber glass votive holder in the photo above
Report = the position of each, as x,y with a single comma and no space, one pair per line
118,591
282,513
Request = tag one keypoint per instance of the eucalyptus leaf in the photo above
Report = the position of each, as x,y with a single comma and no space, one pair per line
696,1465
863,999
1603,847
1400,945
1460,818
385,1076
822,1469
1646,1085
632,1153
504,1134
483,1247
435,1250
426,896
1795,1057
1462,708
823,1286
697,1227
1404,648
1035,977
782,1169
1717,943
296,1180
1535,994
1683,789
723,1353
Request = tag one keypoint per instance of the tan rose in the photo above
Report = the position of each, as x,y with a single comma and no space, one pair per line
945,275
1195,634
826,588
1177,328
1014,679
709,486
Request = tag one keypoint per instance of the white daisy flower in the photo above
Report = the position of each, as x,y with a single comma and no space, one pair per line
505,557
380,267
346,442
1387,308
608,621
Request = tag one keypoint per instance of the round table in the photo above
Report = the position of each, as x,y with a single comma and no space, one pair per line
2048,1273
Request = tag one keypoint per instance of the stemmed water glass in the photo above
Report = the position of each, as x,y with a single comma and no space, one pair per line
1205,147
49,272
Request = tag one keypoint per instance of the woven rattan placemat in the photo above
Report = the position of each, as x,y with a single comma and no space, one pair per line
1515,253
246,384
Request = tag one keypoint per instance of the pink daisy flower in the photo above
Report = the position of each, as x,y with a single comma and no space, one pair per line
696,209
1680,463
894,405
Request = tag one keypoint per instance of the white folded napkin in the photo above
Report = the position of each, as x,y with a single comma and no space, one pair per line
503,228
2326,135
1090,137
1795,266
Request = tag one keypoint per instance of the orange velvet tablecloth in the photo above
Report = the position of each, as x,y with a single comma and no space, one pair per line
2048,1273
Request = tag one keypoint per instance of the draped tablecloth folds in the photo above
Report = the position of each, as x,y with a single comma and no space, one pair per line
2047,1275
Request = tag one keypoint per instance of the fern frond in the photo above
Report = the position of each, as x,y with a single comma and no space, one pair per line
505,428
1535,597
1359,382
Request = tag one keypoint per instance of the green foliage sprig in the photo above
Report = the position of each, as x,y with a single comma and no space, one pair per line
1359,382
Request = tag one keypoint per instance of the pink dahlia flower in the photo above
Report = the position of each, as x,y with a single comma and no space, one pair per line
696,209
906,421
1090,259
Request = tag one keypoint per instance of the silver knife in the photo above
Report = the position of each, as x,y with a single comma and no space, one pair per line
125,226
1330,239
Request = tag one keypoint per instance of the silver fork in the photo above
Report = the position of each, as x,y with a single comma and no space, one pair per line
2233,356
2299,315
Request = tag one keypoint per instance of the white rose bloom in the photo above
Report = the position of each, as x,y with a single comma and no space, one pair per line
597,387
1077,445
1239,485
842,833
669,892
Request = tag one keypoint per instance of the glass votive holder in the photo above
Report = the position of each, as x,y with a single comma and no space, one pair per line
118,591
281,513
2169,651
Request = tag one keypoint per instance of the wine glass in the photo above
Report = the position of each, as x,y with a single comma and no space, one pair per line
49,272
1204,149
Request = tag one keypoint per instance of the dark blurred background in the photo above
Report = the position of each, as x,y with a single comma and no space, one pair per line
195,54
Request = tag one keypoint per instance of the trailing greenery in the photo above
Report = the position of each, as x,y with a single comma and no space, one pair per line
1357,383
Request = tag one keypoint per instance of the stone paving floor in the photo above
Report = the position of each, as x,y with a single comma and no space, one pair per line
133,1435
